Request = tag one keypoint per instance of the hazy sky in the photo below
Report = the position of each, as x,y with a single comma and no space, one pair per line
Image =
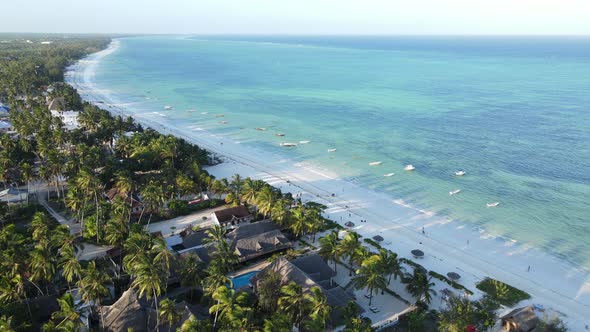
298,16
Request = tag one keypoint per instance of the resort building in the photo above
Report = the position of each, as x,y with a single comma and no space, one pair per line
259,239
523,319
231,216
57,107
132,313
13,195
309,271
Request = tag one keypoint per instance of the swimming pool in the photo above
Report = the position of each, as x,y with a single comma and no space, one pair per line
243,279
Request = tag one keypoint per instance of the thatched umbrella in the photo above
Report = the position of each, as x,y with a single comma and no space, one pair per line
417,253
378,238
349,224
453,276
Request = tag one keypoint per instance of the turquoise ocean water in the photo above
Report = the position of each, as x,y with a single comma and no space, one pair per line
514,113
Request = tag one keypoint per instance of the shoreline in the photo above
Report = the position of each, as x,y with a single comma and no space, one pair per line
445,242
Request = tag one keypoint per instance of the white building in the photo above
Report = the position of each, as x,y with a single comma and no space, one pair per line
69,118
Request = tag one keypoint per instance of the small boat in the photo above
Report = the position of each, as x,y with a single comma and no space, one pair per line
304,142
389,174
191,111
375,163
223,122
219,115
460,172
456,191
288,144
260,129
331,150
409,167
168,107
280,134
204,113
494,204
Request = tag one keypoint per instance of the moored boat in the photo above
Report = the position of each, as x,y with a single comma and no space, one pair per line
453,192
331,150
280,134
460,172
494,204
287,144
168,107
375,163
303,142
389,174
261,129
409,167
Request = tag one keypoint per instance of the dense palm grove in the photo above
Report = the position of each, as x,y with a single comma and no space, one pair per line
72,171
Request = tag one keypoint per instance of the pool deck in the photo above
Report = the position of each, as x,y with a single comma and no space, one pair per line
256,267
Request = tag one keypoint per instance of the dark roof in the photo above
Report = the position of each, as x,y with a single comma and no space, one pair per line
315,267
288,271
129,312
260,244
521,320
247,230
203,253
191,238
228,214
253,240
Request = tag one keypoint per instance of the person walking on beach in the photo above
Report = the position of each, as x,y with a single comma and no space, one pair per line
423,230
528,269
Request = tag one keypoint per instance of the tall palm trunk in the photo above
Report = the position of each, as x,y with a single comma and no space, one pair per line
157,312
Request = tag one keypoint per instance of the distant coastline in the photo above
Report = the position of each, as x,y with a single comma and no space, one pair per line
448,243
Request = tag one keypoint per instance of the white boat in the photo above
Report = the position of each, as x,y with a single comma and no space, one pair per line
261,129
303,142
191,111
375,163
331,150
204,113
280,134
168,107
389,174
219,115
456,191
288,144
493,204
409,167
223,122
460,172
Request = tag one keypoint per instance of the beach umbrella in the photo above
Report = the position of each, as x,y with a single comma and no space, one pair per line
378,238
349,224
421,269
418,253
453,276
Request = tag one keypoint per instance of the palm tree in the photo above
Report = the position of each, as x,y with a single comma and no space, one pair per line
6,324
76,201
294,303
93,285
278,322
149,281
168,313
319,307
71,268
191,271
265,200
214,280
350,247
280,212
162,256
230,306
215,234
124,185
389,264
27,173
192,324
330,248
92,187
299,221
369,276
116,231
250,189
420,286
67,318
42,265
153,197
236,186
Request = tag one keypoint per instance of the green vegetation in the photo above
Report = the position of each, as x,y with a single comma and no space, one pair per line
452,283
501,292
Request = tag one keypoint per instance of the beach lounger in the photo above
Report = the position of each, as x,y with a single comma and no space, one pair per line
374,309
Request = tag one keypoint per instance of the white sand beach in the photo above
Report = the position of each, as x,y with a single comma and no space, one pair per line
448,245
